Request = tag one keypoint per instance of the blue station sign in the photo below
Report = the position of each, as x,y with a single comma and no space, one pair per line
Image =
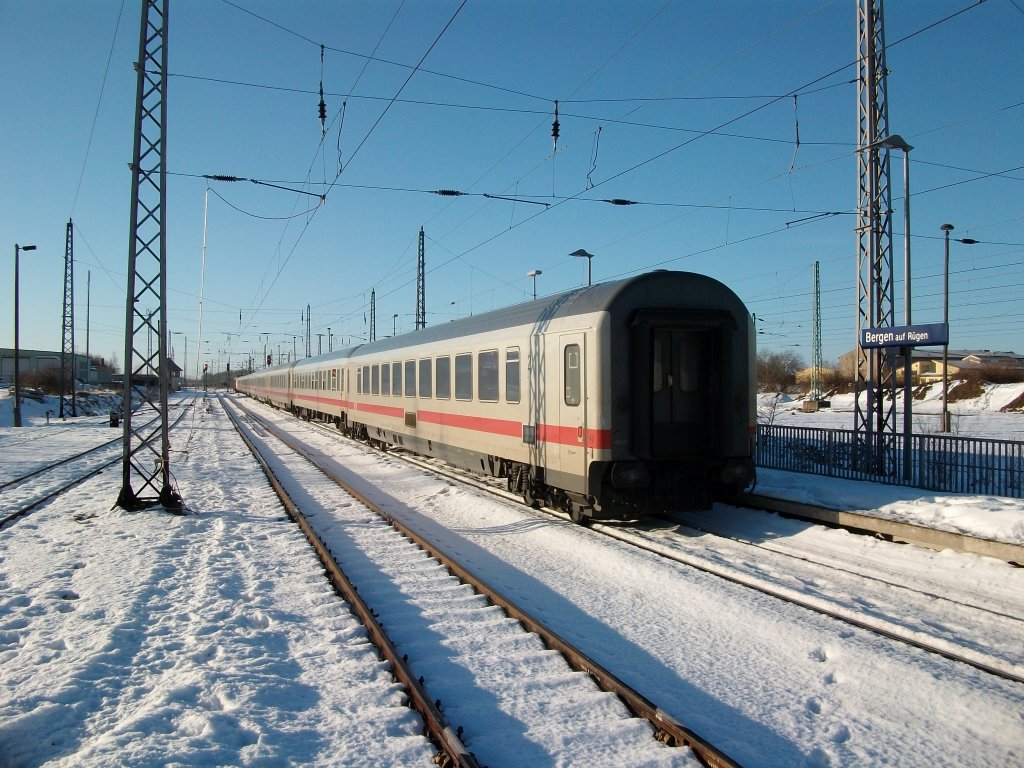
929,335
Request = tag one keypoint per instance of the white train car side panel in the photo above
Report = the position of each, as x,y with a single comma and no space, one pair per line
607,401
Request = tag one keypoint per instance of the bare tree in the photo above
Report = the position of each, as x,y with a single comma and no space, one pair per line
776,371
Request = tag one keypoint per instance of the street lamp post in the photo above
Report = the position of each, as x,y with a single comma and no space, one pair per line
394,325
533,273
17,399
946,229
896,142
584,255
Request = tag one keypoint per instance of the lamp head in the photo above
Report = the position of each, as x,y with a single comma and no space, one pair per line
894,142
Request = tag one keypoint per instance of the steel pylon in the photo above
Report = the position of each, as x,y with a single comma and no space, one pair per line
874,415
146,476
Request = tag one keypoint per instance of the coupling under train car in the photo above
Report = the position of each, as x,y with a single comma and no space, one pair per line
611,401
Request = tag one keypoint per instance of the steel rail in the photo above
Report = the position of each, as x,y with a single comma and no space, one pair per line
35,503
666,728
452,750
48,467
86,452
597,527
635,538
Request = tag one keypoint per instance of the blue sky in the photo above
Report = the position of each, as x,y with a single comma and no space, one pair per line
686,108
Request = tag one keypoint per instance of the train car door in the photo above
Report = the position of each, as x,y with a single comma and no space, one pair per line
572,406
683,397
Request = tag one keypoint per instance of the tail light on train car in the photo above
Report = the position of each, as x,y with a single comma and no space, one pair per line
630,474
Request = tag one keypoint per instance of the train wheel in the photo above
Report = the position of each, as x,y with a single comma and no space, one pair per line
528,498
576,514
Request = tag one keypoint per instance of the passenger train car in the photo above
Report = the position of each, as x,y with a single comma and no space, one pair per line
611,401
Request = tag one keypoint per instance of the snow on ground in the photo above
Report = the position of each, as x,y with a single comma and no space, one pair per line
974,417
988,517
212,639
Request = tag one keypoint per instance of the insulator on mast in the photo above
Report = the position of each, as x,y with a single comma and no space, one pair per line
323,105
554,131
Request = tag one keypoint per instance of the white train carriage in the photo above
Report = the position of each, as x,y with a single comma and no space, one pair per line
609,401
270,385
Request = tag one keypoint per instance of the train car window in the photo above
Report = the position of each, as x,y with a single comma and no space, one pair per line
426,376
512,375
443,377
487,376
659,367
334,379
359,381
410,378
689,362
375,380
396,379
385,379
573,379
464,376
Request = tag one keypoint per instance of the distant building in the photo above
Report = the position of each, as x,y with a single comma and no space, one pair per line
175,370
926,363
150,380
35,361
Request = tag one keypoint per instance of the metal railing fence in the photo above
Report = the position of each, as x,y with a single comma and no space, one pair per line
946,463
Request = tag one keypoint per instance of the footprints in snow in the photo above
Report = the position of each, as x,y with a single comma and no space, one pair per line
837,733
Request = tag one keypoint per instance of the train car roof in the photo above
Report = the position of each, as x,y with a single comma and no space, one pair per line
661,288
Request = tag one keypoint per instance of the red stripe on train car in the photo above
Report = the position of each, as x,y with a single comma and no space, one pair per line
591,438
598,439
492,426
546,433
381,410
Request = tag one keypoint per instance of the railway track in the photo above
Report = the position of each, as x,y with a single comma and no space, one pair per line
19,497
909,615
532,661
914,615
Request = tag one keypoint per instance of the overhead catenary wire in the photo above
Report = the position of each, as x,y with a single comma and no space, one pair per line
355,152
614,201
96,114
